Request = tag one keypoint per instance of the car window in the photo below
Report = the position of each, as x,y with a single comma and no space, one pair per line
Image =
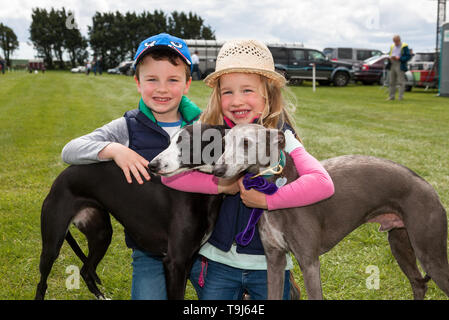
279,54
297,55
366,54
316,55
363,54
344,53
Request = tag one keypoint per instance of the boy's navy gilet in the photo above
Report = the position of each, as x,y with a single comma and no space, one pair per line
147,139
233,218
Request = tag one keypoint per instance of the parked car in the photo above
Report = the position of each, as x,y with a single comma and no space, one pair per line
123,68
296,65
114,71
422,61
371,70
79,69
350,55
208,52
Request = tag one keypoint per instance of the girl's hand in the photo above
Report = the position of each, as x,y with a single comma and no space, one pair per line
128,160
252,198
228,186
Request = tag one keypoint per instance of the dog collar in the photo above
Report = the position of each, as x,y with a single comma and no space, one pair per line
275,170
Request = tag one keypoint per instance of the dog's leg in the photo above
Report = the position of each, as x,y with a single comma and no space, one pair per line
176,270
276,263
428,235
50,252
96,226
53,228
310,268
405,256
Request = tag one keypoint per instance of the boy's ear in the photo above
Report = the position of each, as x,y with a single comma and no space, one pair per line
188,83
137,83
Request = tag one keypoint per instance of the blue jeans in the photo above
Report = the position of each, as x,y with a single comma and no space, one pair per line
148,281
223,282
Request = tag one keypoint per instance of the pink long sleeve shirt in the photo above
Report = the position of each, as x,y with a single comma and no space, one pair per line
313,185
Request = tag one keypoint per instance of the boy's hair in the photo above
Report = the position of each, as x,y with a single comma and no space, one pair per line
161,54
276,111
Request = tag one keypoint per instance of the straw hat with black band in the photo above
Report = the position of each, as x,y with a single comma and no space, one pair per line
245,56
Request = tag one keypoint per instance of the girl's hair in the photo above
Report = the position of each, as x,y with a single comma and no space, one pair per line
276,112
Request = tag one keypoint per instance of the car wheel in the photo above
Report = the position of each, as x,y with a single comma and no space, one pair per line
341,79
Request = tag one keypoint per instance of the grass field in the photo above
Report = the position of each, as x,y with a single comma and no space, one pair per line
40,113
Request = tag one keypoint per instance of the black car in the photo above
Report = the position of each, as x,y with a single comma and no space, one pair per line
296,65
371,70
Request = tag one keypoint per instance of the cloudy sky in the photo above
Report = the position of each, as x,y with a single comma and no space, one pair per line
316,23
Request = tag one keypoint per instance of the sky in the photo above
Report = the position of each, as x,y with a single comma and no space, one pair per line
315,23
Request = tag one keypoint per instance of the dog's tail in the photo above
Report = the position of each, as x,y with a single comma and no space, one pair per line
76,248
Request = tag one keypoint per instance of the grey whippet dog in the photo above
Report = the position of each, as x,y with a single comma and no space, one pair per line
367,189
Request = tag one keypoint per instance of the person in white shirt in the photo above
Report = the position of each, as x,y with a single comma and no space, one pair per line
196,66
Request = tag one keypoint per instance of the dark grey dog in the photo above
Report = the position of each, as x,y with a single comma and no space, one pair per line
367,189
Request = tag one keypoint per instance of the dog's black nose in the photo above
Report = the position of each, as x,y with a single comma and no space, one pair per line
219,171
154,166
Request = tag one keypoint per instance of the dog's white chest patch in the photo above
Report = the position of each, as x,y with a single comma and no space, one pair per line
270,235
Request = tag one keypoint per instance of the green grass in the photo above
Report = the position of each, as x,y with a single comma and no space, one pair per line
40,113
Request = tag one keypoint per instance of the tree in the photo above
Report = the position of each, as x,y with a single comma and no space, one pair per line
189,26
57,21
8,42
116,36
41,35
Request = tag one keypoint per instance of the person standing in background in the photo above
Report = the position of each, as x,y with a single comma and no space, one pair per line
196,65
399,55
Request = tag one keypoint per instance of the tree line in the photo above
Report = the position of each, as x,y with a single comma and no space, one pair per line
8,42
113,36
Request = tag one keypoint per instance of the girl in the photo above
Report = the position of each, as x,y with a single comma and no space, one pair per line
246,89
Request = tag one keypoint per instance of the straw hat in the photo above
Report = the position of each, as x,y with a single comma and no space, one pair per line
247,56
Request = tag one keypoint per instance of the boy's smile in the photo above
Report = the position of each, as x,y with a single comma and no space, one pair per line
162,85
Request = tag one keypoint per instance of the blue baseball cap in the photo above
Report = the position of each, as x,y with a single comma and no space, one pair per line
163,40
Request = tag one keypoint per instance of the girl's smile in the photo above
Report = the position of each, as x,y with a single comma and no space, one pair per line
241,98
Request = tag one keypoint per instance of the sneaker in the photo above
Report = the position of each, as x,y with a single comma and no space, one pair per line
389,99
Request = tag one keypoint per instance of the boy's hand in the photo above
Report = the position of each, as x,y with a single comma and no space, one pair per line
128,160
228,186
252,198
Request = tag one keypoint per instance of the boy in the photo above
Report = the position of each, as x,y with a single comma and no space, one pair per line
163,76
